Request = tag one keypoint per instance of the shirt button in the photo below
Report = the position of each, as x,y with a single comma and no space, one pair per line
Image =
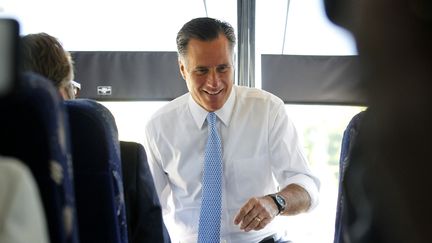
223,241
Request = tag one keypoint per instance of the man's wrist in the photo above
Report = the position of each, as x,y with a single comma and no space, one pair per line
279,201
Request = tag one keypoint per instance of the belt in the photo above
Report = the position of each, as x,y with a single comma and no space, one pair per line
268,239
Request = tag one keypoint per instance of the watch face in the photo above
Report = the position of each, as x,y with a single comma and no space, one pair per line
280,200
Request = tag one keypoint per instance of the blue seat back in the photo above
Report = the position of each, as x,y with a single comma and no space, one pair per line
34,129
143,209
348,140
97,170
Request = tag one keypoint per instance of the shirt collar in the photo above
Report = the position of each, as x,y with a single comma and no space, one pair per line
199,114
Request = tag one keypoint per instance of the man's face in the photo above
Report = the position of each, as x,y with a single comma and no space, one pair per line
208,71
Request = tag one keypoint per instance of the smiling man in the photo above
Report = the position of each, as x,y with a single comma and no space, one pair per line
217,149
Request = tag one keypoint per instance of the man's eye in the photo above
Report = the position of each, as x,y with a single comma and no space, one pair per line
222,69
201,71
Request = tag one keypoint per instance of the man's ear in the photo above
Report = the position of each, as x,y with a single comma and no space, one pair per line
182,68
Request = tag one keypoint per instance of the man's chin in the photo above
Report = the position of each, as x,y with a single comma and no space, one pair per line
212,107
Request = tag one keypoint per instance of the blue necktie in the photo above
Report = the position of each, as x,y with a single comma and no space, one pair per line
210,214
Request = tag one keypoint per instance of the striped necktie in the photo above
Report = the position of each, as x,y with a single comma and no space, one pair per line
210,214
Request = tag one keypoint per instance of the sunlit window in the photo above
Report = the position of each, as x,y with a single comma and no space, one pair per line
114,25
304,31
131,117
322,128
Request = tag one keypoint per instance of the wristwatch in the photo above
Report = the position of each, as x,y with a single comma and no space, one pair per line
279,201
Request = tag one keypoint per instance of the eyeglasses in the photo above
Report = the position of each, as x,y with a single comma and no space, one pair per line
76,87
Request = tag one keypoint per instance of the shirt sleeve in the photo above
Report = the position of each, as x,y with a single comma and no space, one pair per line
155,163
289,164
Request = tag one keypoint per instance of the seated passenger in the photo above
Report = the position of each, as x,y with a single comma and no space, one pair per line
44,54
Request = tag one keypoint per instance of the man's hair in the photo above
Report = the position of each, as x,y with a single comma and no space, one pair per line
204,29
43,54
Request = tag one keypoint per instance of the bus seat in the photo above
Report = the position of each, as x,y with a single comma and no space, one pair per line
348,140
97,172
143,209
22,218
34,129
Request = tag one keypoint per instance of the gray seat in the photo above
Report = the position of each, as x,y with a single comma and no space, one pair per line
22,218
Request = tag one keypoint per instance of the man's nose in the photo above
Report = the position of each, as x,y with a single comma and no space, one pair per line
213,79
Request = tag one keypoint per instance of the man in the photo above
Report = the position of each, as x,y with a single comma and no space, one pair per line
43,54
255,143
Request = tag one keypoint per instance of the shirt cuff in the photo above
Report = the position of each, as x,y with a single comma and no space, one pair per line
310,185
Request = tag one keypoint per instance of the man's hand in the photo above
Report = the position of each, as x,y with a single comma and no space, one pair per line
256,213
260,211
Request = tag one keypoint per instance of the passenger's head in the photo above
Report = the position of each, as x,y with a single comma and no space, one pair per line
394,40
206,48
44,54
385,28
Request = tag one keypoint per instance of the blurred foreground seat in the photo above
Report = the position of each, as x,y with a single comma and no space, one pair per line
34,129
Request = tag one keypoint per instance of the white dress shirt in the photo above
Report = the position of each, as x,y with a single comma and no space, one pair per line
261,154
